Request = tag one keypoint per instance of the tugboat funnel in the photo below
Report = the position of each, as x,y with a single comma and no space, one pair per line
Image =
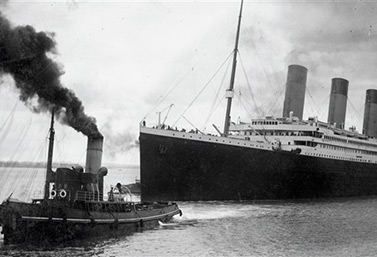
94,162
94,154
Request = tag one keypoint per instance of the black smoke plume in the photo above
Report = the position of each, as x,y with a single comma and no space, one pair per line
24,55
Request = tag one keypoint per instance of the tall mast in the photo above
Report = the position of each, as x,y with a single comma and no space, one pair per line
49,157
229,92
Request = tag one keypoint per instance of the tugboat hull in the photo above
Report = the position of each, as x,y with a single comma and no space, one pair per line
42,223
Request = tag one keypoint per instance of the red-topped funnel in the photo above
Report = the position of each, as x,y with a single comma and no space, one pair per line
338,102
370,113
295,91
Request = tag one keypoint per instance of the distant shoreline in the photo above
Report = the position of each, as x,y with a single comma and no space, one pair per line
55,165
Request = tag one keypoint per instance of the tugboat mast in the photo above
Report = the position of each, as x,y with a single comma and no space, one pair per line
229,92
49,157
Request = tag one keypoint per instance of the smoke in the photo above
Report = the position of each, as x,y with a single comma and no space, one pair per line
340,34
4,2
118,143
24,54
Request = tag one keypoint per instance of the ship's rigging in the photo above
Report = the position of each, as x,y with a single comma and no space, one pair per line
216,102
229,93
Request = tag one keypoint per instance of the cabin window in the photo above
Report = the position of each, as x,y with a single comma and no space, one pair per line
306,143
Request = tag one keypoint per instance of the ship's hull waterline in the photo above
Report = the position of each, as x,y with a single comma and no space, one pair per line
182,169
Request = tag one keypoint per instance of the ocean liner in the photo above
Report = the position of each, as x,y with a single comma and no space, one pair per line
267,158
74,207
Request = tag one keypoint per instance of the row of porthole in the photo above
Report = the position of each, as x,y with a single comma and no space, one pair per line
338,157
314,154
223,141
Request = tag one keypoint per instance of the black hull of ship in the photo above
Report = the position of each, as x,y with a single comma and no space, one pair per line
179,169
41,223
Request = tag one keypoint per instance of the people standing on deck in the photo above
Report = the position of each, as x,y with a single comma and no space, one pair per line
111,194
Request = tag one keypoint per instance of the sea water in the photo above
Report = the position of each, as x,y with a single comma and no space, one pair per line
331,227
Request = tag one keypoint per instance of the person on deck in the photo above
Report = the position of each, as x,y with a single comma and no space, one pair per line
119,186
111,194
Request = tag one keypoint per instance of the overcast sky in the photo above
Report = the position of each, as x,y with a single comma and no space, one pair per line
128,60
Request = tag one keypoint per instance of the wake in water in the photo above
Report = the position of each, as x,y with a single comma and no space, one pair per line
218,210
178,222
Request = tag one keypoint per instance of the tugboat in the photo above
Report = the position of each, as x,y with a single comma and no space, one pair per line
73,206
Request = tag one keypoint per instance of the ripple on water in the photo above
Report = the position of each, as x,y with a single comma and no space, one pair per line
346,227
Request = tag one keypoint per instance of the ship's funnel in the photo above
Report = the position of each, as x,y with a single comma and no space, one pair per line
370,113
338,102
94,154
295,91
93,164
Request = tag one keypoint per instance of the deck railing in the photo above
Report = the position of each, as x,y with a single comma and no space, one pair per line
88,196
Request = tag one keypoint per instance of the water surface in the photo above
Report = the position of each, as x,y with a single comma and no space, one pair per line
334,227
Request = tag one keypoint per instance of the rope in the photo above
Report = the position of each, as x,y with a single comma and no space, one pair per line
280,94
15,182
159,101
166,116
26,171
258,58
201,91
27,192
16,151
242,103
269,53
193,125
218,103
217,99
322,103
21,140
10,118
358,112
249,87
